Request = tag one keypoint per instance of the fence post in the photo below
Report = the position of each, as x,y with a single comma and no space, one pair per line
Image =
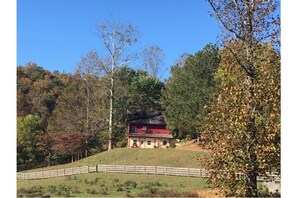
155,170
97,168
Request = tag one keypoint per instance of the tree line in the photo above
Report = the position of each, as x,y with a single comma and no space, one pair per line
63,116
55,108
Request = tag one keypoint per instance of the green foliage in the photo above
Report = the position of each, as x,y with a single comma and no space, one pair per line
27,130
188,91
134,91
172,145
145,93
34,191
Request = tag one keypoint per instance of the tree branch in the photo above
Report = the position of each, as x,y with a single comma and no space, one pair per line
221,21
238,61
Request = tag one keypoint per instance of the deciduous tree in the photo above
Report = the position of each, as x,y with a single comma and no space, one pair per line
45,144
71,143
248,23
153,60
116,38
28,128
227,125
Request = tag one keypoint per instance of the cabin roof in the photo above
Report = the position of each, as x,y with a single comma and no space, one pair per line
150,135
146,117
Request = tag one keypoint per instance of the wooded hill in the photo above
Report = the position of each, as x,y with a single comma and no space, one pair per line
61,115
64,117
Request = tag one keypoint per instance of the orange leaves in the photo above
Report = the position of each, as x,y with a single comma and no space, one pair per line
241,106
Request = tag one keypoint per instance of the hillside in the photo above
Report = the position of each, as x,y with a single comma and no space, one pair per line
148,157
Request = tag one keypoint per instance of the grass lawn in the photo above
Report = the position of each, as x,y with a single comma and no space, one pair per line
147,157
112,185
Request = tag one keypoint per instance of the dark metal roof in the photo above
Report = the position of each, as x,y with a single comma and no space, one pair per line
152,117
150,135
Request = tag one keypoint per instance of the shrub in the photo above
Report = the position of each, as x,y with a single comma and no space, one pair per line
96,180
121,144
130,184
103,191
35,191
153,190
86,181
119,188
172,145
51,189
166,193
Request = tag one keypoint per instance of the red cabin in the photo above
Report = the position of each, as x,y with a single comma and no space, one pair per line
148,130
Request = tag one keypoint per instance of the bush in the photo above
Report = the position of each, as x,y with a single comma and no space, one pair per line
172,145
153,192
51,189
103,191
35,191
121,144
130,184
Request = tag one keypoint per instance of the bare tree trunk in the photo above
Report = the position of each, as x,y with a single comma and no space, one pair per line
49,159
88,105
116,38
110,113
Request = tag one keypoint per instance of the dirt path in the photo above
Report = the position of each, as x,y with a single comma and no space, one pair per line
191,146
208,193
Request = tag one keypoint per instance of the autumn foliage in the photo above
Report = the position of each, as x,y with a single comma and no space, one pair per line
71,143
226,125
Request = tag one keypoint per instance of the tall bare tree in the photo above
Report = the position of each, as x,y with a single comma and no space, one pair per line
251,22
89,70
153,60
116,38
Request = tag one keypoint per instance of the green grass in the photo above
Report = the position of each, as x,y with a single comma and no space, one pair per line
110,185
147,157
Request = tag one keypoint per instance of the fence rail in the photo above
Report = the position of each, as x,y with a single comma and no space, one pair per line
154,170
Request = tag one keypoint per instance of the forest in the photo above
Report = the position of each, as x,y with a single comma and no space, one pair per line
63,116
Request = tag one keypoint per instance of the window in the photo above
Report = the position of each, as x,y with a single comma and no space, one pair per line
149,142
164,142
134,142
133,129
141,142
144,128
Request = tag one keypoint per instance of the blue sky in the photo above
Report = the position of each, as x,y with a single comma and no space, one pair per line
56,33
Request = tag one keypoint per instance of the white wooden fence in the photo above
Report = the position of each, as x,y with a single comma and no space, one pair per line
156,170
